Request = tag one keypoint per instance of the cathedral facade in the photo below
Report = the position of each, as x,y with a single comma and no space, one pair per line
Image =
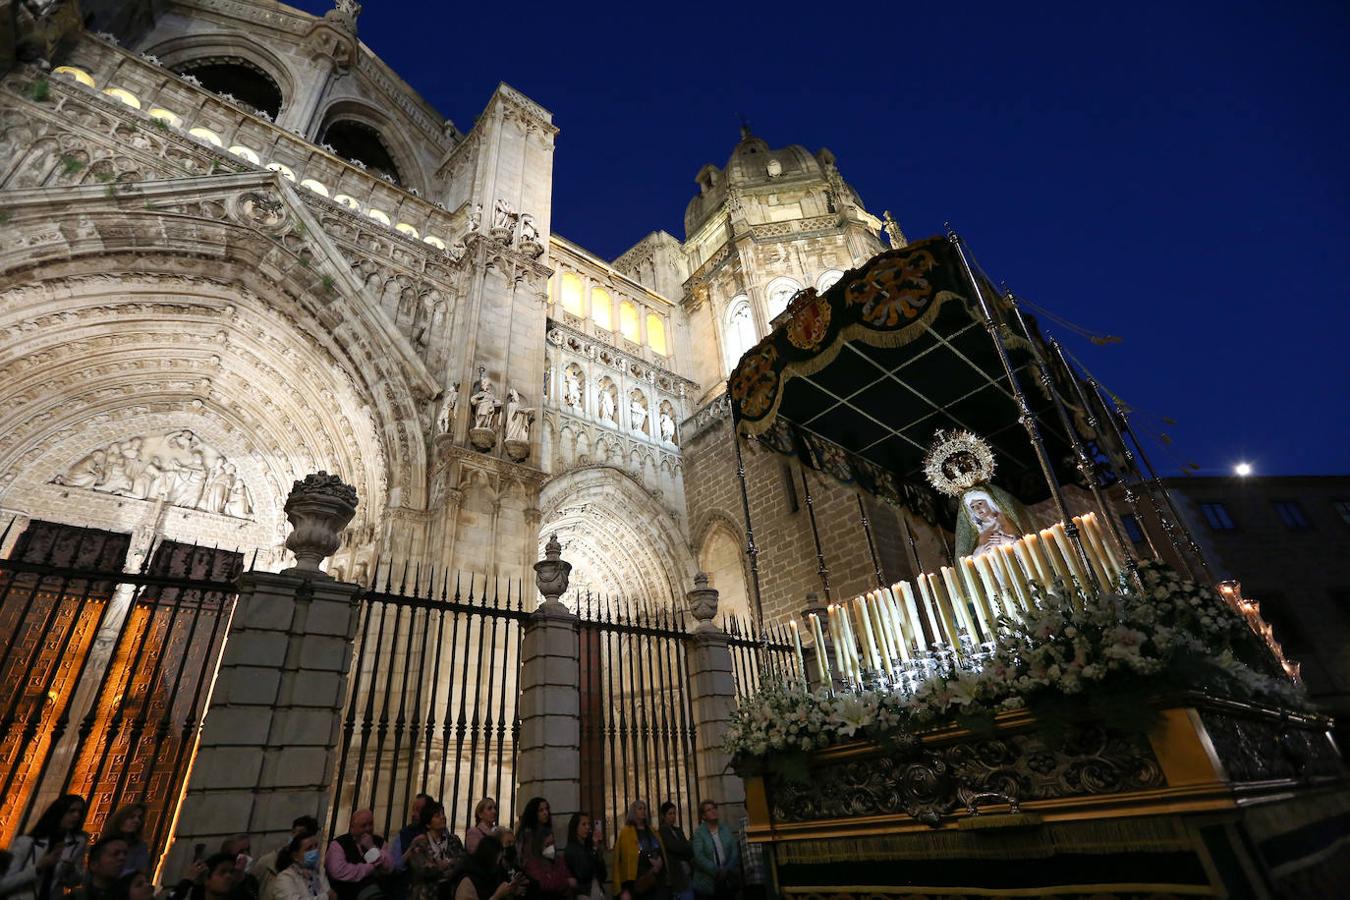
236,248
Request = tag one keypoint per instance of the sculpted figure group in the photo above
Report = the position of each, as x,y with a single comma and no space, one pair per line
177,468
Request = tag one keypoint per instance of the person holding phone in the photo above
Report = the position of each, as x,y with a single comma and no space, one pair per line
639,858
482,878
585,858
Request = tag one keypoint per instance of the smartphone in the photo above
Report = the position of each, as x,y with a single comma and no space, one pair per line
198,852
598,831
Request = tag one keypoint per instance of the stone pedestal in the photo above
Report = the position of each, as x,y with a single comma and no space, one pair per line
549,763
712,688
270,738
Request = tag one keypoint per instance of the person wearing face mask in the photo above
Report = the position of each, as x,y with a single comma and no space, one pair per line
265,867
300,874
544,864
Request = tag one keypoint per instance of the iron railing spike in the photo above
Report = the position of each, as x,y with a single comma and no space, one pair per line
5,534
253,563
458,575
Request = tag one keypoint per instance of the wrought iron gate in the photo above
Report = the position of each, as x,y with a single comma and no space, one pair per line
432,707
129,657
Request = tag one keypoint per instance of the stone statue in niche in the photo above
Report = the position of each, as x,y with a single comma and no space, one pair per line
529,236
446,418
637,413
475,218
571,389
519,417
483,434
503,220
667,426
176,468
607,405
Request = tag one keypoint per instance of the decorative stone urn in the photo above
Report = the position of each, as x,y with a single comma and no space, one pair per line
531,248
483,439
517,450
551,575
703,603
318,508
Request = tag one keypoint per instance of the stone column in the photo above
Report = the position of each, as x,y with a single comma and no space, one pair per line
270,737
712,696
550,698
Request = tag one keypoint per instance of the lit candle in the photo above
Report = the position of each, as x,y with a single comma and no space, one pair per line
822,665
1070,553
1016,579
1044,571
1096,556
837,638
898,622
1057,561
797,644
946,611
988,612
850,643
1024,560
958,598
992,587
882,632
1107,541
912,611
926,592
860,609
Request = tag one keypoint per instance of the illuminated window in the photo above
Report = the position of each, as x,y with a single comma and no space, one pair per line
779,293
405,228
206,134
315,186
168,118
827,280
739,335
348,201
628,321
602,308
243,152
569,293
124,95
75,74
286,171
378,215
434,241
656,333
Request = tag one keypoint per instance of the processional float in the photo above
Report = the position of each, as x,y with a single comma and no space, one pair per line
1040,713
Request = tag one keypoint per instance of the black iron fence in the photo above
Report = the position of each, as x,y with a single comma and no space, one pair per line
760,659
126,658
433,704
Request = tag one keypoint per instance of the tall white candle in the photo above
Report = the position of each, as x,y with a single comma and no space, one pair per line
897,618
1096,556
822,665
988,611
926,592
1016,579
797,645
1050,544
912,612
860,610
1107,542
883,632
959,603
1045,574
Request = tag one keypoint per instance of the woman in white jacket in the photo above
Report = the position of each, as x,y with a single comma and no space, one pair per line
49,859
300,874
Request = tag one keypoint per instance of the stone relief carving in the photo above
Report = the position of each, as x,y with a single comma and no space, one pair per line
607,401
475,218
504,219
637,412
667,424
519,418
529,237
483,434
572,379
177,468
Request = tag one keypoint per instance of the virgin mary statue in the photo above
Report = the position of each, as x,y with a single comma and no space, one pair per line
960,465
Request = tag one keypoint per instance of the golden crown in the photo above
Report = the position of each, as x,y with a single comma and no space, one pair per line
957,461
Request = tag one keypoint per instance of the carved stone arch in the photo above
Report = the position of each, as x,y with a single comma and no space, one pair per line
619,540
175,52
719,546
233,266
410,171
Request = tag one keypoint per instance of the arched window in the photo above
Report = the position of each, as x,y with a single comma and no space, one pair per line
628,322
124,95
827,280
779,293
239,78
602,308
79,75
358,141
656,333
569,293
739,334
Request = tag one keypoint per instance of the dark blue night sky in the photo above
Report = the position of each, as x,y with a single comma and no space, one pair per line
1175,174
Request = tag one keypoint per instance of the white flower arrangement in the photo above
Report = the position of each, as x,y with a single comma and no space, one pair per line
1174,636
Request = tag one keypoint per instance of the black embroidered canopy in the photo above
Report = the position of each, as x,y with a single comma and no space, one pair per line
857,380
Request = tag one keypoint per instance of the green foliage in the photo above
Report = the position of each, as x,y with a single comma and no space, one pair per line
40,90
103,175
329,285
5,216
71,164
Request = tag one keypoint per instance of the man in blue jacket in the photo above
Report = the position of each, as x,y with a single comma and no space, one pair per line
717,860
